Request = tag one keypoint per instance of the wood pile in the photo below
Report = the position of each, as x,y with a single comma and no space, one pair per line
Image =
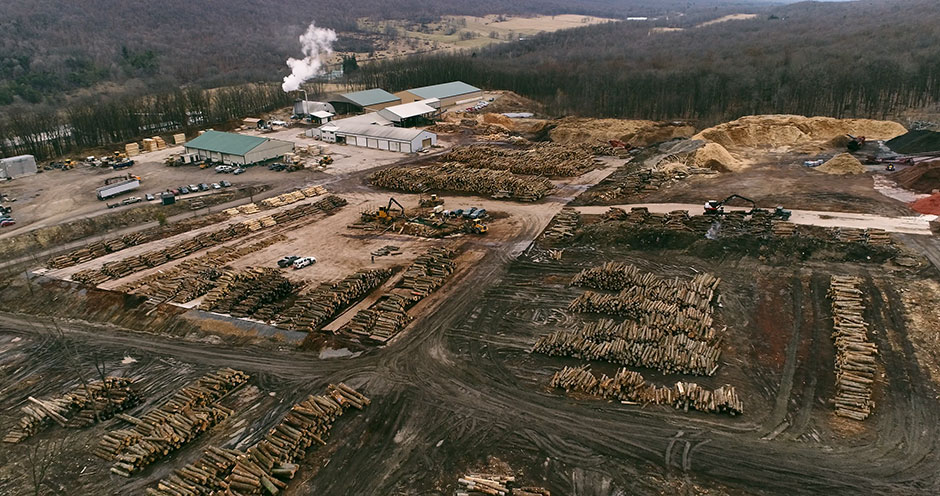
630,387
314,309
388,315
179,139
75,409
564,225
878,237
149,145
545,159
453,176
267,466
132,149
635,345
247,292
783,229
189,412
855,354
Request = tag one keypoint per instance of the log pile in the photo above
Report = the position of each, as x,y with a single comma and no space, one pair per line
544,159
388,315
313,310
244,293
635,345
267,466
855,354
630,387
564,225
189,412
75,409
452,176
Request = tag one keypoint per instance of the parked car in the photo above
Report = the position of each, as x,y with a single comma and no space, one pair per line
150,197
194,187
203,187
225,184
479,214
7,221
287,261
216,186
133,199
238,171
303,262
184,190
114,205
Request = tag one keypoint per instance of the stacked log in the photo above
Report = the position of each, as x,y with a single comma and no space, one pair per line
267,466
388,315
242,293
635,345
783,229
564,225
878,237
630,387
189,412
313,310
75,409
543,159
461,178
855,354
485,484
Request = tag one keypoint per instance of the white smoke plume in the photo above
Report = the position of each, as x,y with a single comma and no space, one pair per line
315,43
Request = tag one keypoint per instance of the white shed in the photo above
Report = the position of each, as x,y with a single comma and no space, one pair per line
20,165
379,137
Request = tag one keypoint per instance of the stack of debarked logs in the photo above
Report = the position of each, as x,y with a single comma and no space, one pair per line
454,176
855,354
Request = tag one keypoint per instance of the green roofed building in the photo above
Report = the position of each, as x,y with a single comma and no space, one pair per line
371,100
238,149
450,94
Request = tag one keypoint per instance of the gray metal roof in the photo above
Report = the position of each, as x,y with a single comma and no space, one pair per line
373,131
444,90
366,98
407,110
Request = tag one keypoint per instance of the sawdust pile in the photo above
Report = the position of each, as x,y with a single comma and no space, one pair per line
921,178
508,101
574,130
716,157
843,163
795,131
500,119
929,205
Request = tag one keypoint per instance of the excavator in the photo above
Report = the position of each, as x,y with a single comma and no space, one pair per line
714,207
385,214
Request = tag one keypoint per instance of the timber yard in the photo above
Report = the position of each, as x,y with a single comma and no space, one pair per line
443,291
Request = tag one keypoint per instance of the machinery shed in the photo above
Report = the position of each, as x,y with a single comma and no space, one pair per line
410,114
379,137
237,149
371,100
449,94
18,166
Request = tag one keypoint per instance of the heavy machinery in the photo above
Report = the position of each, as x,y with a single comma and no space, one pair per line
112,180
714,207
326,160
476,227
385,214
855,143
430,202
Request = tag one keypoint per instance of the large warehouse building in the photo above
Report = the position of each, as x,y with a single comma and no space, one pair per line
364,101
21,165
450,94
238,149
389,138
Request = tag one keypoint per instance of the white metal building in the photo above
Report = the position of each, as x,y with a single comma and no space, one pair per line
410,114
238,149
379,137
18,166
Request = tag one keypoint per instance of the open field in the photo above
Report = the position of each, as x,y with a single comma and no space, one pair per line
640,349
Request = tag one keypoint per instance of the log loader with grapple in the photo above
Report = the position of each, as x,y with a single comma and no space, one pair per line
715,207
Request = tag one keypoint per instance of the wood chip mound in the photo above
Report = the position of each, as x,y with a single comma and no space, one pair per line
843,163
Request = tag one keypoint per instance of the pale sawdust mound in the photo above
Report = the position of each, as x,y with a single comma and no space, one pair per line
500,119
792,131
843,163
716,157
576,130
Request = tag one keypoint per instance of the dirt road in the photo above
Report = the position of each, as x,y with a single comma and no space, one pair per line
908,225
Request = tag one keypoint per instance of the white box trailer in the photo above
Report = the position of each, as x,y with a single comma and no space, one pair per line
115,189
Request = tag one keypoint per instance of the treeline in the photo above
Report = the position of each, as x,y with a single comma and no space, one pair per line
47,134
813,59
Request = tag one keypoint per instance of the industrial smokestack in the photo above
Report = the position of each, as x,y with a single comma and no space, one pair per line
315,43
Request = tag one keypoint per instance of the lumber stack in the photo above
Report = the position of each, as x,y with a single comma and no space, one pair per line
132,149
564,225
189,412
75,409
629,386
452,176
783,229
635,345
316,308
267,466
543,159
878,237
179,138
855,354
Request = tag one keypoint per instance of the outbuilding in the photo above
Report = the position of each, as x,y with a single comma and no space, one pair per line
18,166
321,117
379,137
449,94
253,122
371,100
238,149
410,114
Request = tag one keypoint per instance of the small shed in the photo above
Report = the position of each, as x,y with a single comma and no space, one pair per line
18,166
253,122
321,116
409,114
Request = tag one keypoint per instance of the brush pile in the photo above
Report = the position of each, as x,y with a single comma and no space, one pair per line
267,466
548,159
314,309
855,353
630,387
81,407
457,177
189,412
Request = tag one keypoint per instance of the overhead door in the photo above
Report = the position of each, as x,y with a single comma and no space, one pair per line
360,141
372,143
406,147
393,146
426,143
383,144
